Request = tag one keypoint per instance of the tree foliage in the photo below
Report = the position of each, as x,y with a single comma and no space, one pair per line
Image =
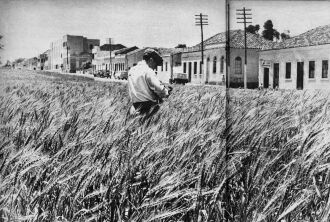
181,46
1,45
285,36
269,32
254,29
19,60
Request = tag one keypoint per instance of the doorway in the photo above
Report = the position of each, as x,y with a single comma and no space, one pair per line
276,75
189,72
207,70
300,75
266,77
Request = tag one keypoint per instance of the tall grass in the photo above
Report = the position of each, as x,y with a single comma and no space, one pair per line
69,152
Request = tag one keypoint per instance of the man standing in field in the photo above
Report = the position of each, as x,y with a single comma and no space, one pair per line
145,90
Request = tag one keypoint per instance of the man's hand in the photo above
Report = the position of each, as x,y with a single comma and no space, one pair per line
169,88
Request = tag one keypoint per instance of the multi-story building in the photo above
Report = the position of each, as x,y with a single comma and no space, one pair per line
70,52
301,62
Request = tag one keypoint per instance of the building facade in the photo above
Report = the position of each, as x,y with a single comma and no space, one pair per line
70,52
213,68
43,61
301,62
119,63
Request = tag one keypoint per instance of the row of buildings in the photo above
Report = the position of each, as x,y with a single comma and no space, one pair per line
300,62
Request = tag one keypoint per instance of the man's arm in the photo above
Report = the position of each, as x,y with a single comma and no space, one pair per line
156,86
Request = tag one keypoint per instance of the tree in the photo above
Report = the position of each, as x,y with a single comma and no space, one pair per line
253,29
181,46
285,36
1,46
269,32
19,60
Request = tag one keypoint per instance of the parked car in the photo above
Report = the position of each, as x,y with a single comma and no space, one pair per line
121,75
181,78
100,74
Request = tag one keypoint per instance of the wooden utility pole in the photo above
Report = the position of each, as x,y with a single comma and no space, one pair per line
227,45
67,57
242,13
110,66
201,20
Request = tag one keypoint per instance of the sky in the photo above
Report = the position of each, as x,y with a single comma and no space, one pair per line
29,26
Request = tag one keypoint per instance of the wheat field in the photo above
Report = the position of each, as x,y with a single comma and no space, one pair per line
70,152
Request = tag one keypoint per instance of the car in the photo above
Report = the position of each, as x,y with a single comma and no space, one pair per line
100,74
180,78
121,75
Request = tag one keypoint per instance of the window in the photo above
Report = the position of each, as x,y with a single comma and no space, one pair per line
214,64
184,67
195,68
238,65
222,64
165,66
200,67
162,67
324,68
64,44
311,69
90,46
288,70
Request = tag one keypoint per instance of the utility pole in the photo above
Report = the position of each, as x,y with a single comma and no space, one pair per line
67,57
241,13
201,20
110,67
227,45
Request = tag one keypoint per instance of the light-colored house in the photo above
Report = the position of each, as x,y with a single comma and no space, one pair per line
101,56
213,70
301,62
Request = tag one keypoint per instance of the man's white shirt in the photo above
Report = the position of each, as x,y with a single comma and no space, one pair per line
143,84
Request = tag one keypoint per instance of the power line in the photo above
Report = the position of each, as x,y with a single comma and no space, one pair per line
201,20
242,18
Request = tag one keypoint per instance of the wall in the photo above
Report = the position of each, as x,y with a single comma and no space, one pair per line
237,80
294,55
56,50
163,74
134,57
206,75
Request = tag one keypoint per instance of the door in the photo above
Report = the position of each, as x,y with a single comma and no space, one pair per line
266,77
300,75
207,70
276,75
189,71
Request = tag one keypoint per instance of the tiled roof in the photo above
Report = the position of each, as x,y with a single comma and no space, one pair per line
168,51
317,36
254,41
162,51
106,47
125,50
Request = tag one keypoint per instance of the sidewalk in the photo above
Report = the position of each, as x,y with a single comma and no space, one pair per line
90,76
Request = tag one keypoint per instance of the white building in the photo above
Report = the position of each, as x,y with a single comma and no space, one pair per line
301,62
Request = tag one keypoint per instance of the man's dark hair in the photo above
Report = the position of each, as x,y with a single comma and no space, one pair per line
152,53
